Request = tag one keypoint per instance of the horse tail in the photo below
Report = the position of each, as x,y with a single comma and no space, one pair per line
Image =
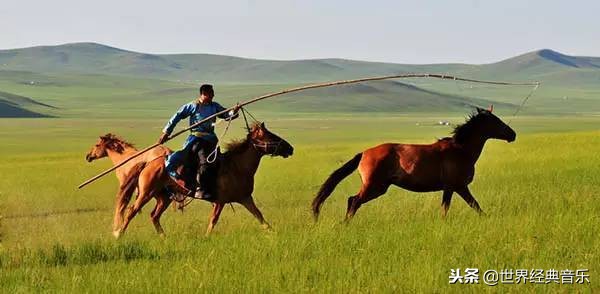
334,179
132,177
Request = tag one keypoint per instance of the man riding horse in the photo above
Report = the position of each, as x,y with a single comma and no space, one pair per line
198,146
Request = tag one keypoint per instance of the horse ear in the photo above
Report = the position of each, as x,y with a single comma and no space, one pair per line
262,125
491,109
479,110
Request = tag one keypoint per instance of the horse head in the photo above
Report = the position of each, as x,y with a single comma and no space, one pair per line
493,126
104,143
269,143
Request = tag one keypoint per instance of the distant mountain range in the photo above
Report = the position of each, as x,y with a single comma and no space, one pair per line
101,59
79,70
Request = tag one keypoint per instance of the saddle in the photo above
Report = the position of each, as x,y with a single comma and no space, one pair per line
189,173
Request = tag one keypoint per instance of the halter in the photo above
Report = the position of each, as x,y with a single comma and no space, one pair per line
263,147
260,146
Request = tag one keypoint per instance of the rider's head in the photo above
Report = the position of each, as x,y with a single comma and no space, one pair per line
206,93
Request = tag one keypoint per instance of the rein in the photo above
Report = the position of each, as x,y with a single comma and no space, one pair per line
244,112
215,152
524,101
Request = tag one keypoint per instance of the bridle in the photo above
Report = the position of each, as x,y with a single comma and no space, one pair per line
261,146
266,147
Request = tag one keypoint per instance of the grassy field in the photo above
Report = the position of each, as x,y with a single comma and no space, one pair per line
540,194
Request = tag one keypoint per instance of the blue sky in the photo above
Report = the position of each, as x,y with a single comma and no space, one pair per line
421,31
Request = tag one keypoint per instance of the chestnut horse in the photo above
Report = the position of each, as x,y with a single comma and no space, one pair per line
447,165
118,150
235,181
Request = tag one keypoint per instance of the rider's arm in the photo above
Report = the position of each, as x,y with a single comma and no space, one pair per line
230,115
183,112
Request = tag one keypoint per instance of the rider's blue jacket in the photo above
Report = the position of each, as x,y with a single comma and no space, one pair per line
197,111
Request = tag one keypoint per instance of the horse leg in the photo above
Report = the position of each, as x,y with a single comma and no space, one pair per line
123,198
466,195
162,202
214,217
251,206
353,205
446,198
120,205
141,200
367,193
375,182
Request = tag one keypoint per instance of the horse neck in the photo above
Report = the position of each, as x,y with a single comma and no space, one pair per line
473,145
247,161
117,157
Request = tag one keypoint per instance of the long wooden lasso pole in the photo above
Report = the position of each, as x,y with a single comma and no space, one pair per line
301,88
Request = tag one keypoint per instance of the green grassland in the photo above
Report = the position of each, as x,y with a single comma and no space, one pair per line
539,193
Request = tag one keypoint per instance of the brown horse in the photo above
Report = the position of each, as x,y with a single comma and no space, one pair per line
118,150
235,181
447,165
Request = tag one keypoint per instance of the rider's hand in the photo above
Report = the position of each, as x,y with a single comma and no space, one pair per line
236,109
233,113
163,138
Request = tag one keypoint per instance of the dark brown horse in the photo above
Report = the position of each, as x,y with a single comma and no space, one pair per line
117,150
235,178
447,165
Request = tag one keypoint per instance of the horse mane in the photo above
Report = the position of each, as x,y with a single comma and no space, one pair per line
240,145
116,143
445,139
254,126
236,146
461,132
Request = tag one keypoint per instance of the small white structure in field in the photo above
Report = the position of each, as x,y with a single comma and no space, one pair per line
444,123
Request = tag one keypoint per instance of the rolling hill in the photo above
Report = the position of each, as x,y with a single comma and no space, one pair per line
12,105
101,59
79,76
95,95
95,58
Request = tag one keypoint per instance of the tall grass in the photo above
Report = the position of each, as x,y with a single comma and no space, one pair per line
84,253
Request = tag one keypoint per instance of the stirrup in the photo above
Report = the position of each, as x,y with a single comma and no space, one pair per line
177,197
178,186
203,195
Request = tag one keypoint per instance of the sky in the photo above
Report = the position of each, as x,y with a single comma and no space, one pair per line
418,31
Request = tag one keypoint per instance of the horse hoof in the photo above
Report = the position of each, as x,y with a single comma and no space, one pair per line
117,234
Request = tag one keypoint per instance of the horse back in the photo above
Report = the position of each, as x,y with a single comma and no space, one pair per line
416,167
156,152
409,156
